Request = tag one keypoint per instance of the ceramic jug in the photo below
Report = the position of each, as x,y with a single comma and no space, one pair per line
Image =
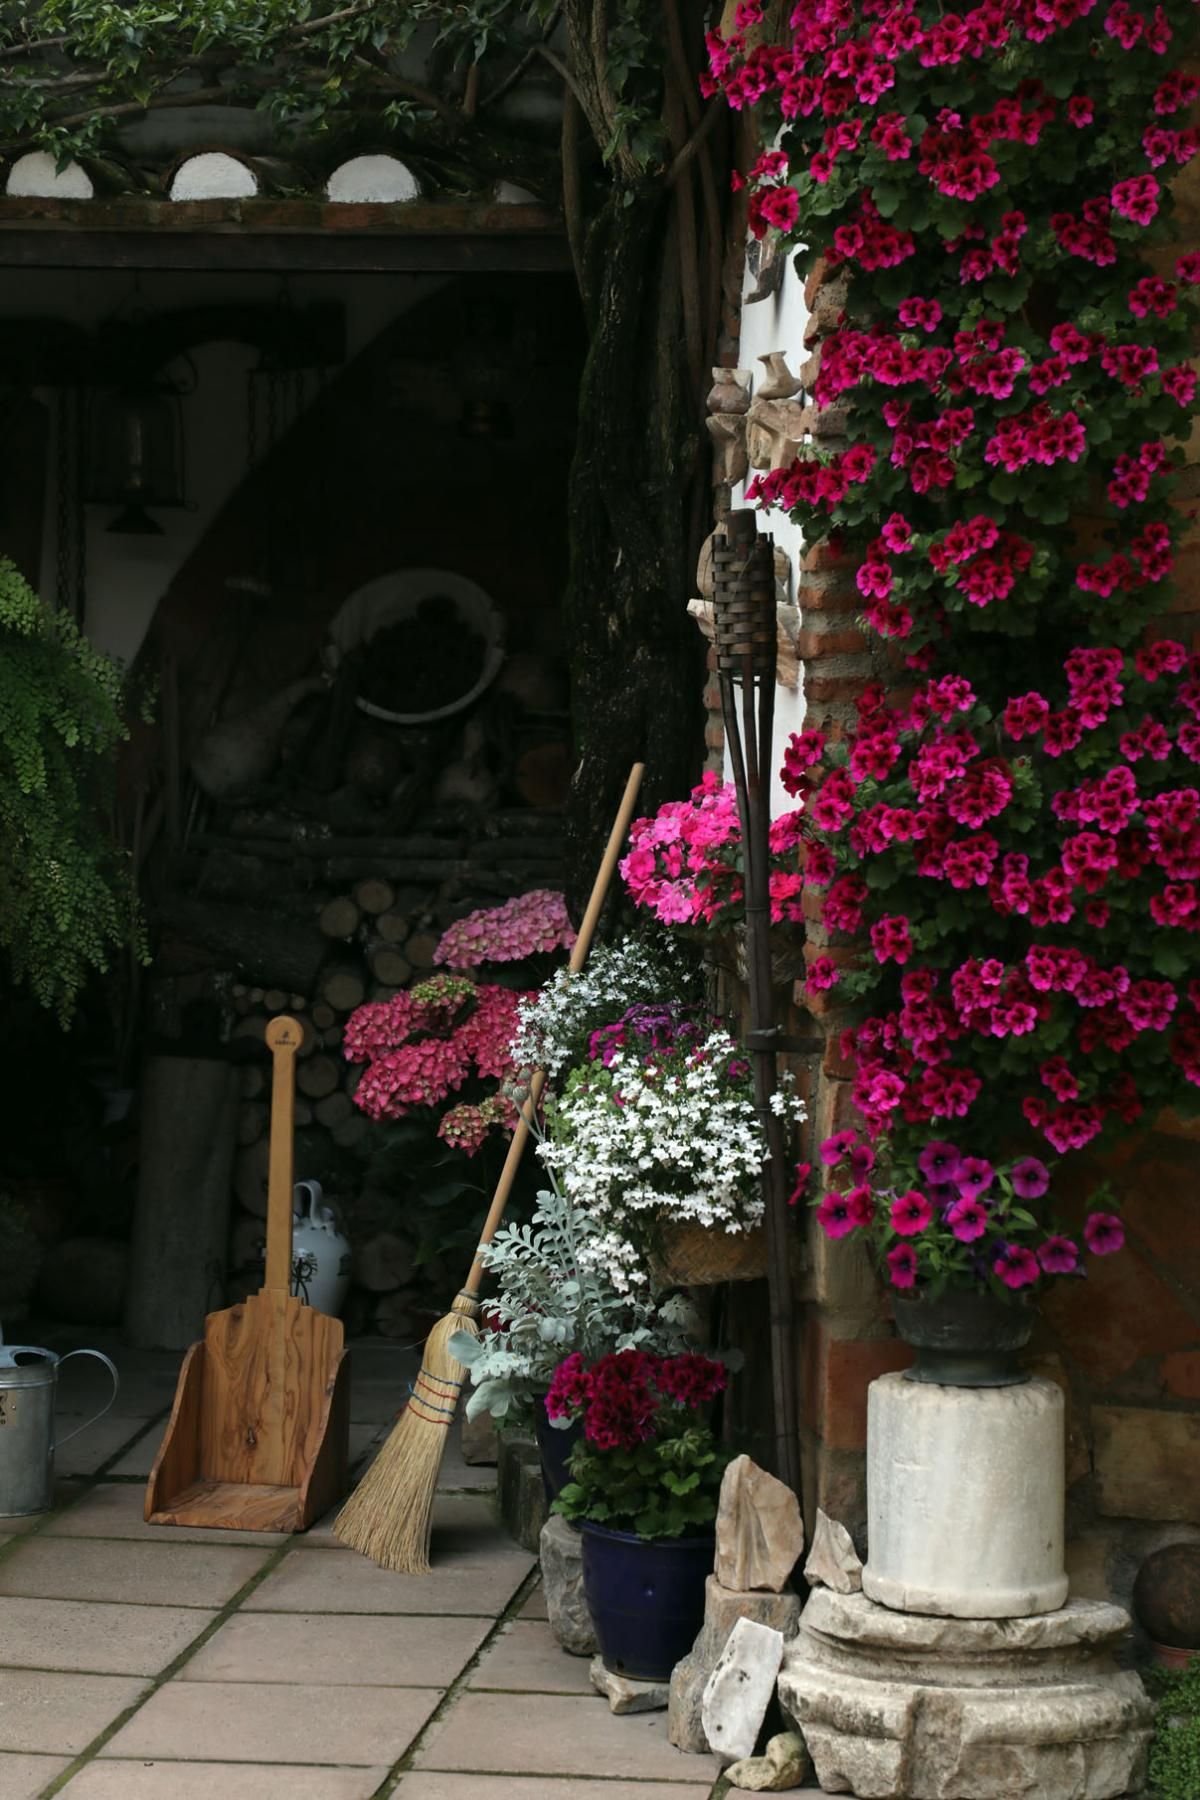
320,1254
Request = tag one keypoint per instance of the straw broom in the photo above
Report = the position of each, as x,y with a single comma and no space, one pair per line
389,1517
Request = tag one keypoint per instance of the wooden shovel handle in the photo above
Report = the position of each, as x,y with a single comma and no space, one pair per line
583,943
284,1037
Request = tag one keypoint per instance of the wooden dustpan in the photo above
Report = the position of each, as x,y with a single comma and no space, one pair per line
258,1438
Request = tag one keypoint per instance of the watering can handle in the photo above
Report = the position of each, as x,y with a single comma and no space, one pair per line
315,1195
116,1381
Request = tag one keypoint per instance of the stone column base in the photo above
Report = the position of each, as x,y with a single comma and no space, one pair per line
901,1706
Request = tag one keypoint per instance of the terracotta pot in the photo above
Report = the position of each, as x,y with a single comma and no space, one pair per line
964,1339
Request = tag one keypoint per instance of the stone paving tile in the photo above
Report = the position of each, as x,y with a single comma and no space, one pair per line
359,1650
457,1474
60,1714
556,1735
276,1723
525,1658
114,1510
139,1459
97,1443
24,1777
539,1787
219,1781
103,1639
535,1606
153,1574
334,1581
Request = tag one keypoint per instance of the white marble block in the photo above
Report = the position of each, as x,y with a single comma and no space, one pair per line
740,1689
965,1498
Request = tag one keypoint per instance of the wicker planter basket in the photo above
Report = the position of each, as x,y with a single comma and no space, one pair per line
698,1256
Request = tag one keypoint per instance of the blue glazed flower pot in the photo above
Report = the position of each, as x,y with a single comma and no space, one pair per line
646,1597
555,1447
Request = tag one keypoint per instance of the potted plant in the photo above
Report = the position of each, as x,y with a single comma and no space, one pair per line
656,1133
964,1245
550,1303
645,1484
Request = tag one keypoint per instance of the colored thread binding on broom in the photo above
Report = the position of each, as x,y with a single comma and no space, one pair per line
440,1389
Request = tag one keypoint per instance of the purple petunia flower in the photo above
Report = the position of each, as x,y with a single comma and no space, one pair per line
1030,1178
862,1160
1016,1266
1059,1255
939,1162
974,1178
967,1219
1104,1233
834,1216
943,1194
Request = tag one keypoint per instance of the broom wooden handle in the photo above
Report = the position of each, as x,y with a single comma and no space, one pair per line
583,943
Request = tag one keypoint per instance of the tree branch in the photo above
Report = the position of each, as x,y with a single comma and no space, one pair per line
711,114
561,70
514,75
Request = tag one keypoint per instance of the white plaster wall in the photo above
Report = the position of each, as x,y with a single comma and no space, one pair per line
777,323
127,576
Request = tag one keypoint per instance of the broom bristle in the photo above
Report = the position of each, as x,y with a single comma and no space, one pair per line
389,1517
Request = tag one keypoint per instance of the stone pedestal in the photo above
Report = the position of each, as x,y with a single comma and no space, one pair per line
894,1706
965,1498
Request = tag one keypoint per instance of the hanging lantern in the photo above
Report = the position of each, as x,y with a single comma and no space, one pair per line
136,454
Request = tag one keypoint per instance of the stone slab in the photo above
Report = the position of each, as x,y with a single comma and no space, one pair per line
833,1561
525,1658
486,1734
966,1498
163,1574
760,1534
160,1780
103,1441
535,1606
354,1650
114,1510
276,1722
722,1610
900,1707
102,1639
479,1581
740,1689
624,1693
58,1713
24,1777
422,1786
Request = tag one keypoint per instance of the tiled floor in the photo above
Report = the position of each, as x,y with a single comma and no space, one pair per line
144,1663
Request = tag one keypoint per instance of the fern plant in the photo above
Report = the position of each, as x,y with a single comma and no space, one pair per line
549,1305
67,900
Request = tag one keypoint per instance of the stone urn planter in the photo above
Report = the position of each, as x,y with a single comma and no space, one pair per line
645,1597
964,1339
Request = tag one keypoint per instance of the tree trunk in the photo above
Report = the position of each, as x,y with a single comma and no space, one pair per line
637,659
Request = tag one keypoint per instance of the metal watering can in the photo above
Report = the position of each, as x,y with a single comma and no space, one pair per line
28,1379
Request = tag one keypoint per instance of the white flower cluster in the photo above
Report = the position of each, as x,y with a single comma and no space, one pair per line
554,1026
636,1149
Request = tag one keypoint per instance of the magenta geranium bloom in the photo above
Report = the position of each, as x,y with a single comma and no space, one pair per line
1030,1178
911,1213
834,1216
939,1162
967,1219
1059,1255
1104,1233
902,1266
1016,1266
975,1176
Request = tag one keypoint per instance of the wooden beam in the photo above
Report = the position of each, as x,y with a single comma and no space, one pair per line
276,235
